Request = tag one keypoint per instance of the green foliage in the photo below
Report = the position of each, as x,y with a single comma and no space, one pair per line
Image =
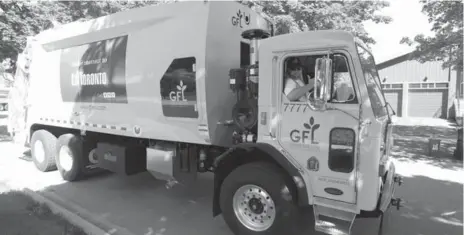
297,16
21,19
446,43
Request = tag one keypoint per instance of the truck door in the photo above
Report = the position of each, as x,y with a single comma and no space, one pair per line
322,141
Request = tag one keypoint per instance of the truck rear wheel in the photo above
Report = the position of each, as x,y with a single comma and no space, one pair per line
256,199
43,145
69,157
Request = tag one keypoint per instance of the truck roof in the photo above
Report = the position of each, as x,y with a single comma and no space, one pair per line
311,38
110,21
128,18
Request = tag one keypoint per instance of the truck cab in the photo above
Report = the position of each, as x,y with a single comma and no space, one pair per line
337,134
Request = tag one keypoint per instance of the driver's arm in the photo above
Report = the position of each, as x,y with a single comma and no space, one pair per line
297,93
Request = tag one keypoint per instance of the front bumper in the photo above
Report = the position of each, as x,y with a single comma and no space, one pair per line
387,192
391,180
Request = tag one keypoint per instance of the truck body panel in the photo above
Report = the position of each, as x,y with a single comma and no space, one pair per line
163,82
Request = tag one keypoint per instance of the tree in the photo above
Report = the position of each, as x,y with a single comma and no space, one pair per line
20,19
446,43
15,19
297,16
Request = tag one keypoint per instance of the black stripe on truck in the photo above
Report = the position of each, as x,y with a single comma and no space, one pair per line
94,72
178,89
79,124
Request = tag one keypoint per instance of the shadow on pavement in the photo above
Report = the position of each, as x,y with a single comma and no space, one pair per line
143,205
411,143
21,215
426,132
432,207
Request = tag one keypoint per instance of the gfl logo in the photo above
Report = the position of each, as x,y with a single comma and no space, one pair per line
237,20
179,94
301,136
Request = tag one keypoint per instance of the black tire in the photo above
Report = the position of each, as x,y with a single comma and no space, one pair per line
74,143
271,179
48,141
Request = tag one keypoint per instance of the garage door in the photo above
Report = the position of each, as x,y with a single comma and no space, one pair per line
427,103
394,98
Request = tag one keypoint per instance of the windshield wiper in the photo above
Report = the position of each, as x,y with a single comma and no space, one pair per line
388,112
388,104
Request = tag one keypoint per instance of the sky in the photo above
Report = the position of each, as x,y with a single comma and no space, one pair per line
408,21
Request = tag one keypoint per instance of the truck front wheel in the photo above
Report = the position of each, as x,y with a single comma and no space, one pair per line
257,199
69,157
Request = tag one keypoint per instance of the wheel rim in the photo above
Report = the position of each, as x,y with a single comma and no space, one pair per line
92,156
254,207
65,157
39,151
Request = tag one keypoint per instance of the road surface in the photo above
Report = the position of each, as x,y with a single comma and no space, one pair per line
433,191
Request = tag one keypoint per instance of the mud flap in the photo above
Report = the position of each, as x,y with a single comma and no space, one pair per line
388,189
333,221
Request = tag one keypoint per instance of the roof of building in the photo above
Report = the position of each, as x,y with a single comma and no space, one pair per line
398,59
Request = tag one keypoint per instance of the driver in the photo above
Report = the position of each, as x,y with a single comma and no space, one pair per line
295,89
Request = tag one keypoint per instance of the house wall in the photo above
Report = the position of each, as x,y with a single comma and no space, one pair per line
426,89
414,71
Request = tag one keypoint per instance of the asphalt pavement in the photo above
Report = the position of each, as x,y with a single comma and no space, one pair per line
142,205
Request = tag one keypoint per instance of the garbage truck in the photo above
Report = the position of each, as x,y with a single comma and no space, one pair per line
194,87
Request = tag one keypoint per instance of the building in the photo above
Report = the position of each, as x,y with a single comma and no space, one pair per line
417,89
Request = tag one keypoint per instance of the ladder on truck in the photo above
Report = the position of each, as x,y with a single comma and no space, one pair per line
333,217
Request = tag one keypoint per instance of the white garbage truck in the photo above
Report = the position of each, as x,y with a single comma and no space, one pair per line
283,122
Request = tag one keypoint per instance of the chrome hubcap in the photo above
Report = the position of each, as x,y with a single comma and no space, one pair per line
39,151
66,160
254,207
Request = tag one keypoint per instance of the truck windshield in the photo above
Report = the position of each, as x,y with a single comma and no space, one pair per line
372,79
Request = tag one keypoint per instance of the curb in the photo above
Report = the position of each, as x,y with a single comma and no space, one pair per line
76,215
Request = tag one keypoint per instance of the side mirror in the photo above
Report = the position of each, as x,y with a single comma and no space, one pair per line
317,100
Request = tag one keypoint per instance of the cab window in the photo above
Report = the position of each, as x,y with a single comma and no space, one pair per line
298,78
342,88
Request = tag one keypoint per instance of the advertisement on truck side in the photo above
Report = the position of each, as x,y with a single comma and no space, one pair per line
94,72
